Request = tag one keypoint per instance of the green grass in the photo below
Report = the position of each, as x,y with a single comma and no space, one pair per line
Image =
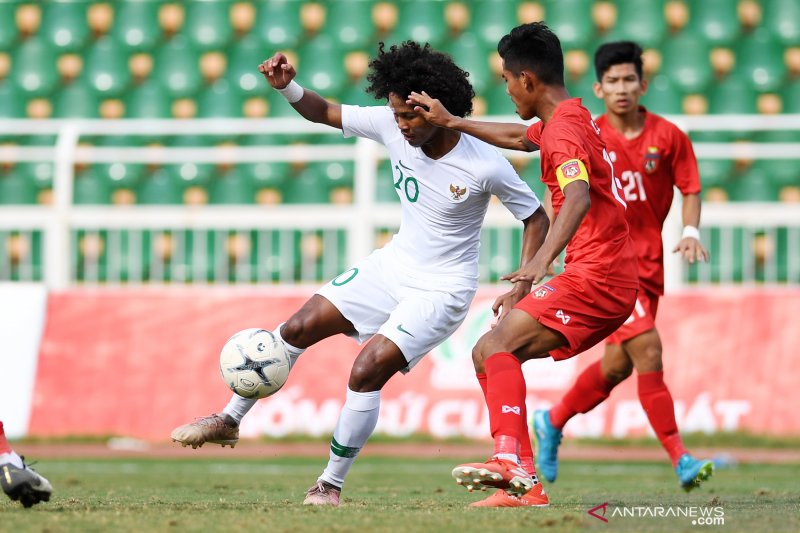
382,494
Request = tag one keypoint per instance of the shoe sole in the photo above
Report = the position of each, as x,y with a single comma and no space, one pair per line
223,443
482,478
27,495
704,474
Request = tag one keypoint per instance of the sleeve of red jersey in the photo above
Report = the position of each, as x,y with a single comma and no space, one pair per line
684,164
568,155
534,133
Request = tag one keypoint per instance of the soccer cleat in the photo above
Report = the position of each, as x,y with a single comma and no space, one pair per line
322,493
536,497
548,439
495,473
692,472
217,428
24,484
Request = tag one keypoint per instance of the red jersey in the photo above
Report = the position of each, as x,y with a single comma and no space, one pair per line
649,167
571,149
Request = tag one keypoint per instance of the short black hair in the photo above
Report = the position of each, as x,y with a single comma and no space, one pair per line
413,67
617,53
534,47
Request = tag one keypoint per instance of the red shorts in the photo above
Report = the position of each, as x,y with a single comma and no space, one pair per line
642,319
584,311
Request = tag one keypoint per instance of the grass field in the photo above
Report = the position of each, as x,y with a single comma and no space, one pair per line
385,494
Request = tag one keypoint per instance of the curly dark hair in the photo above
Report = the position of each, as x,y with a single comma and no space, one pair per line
411,67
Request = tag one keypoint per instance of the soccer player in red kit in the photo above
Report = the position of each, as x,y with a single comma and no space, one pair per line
651,156
596,292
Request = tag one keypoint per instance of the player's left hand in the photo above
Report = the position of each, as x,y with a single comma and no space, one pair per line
430,109
692,250
506,302
533,272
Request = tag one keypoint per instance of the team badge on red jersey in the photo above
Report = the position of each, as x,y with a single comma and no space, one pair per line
571,169
543,291
651,159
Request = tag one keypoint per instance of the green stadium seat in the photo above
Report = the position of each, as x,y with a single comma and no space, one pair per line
733,95
268,174
356,94
106,67
715,172
782,19
321,66
310,186
752,186
349,22
715,20
160,187
76,100
17,188
232,187
472,55
780,172
8,27
641,21
207,25
420,21
278,106
385,191
686,63
39,172
219,101
759,58
64,25
12,101
662,96
791,97
278,25
136,25
571,21
176,67
492,19
91,188
242,71
582,88
34,67
148,100
498,102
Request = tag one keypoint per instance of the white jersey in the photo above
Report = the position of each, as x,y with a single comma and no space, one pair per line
444,201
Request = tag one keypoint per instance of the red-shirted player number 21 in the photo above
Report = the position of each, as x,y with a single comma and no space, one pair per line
615,184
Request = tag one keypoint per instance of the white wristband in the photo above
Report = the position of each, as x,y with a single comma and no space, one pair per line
691,231
292,92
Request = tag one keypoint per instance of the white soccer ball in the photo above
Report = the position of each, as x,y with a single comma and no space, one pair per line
254,364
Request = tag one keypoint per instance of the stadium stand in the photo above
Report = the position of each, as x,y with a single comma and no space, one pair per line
162,60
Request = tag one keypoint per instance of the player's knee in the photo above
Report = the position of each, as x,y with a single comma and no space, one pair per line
618,371
294,331
649,360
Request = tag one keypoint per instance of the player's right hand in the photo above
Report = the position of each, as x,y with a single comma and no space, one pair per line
277,71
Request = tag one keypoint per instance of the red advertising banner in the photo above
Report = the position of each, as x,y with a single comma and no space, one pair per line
137,363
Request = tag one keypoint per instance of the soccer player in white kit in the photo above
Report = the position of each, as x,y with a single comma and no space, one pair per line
409,296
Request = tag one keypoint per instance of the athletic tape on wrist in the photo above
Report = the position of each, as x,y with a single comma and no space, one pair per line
292,92
691,231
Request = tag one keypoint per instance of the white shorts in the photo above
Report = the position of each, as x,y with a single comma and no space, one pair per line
415,311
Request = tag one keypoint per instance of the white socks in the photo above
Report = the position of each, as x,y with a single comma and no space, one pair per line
12,458
238,406
356,423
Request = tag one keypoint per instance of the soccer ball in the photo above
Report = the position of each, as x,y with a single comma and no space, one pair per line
254,364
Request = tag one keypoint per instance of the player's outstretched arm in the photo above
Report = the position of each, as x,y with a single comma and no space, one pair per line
501,134
576,205
280,74
690,247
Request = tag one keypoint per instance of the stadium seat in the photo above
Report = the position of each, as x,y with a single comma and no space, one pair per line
34,67
582,88
136,25
782,20
17,188
232,187
207,25
491,19
106,67
321,65
12,102
779,172
686,63
91,187
148,100
8,26
219,101
278,25
715,20
497,100
662,96
752,186
76,100
356,94
176,67
385,191
641,21
472,55
349,23
243,63
759,59
571,21
791,97
160,187
310,186
420,21
715,172
64,26
733,95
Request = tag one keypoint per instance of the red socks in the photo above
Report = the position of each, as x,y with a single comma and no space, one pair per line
590,390
4,446
657,403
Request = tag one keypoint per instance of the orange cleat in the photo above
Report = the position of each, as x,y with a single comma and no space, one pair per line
495,473
536,497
